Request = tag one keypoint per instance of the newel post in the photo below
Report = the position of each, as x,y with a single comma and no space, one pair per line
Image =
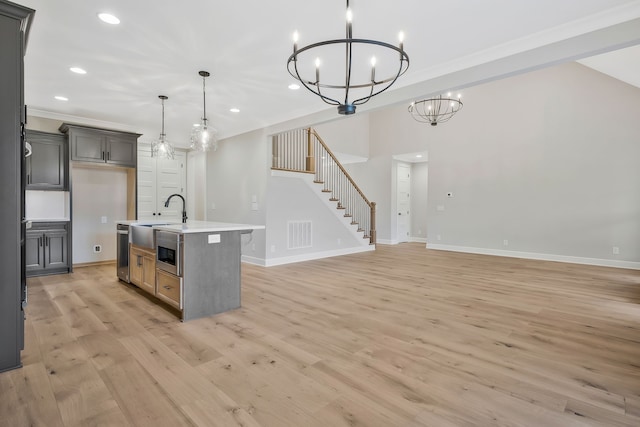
310,165
372,236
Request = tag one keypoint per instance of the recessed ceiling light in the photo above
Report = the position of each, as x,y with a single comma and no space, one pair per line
294,86
234,110
418,156
109,18
196,125
61,98
77,70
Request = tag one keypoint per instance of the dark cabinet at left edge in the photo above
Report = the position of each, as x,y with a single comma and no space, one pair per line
14,27
47,168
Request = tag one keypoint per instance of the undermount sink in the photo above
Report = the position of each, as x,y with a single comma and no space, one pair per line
142,235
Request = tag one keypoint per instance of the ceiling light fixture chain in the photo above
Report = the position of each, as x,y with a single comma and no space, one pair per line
436,110
363,90
162,148
203,138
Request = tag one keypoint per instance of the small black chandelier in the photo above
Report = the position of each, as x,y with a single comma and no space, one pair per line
436,110
348,90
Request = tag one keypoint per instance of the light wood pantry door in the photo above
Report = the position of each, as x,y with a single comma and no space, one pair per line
403,201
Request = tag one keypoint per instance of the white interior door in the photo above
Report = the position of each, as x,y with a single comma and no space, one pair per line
404,201
171,178
146,184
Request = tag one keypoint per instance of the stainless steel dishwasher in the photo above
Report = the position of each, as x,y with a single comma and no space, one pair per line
123,252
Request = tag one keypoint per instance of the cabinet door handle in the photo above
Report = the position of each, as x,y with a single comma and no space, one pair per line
167,287
40,241
46,241
139,260
28,178
108,155
103,155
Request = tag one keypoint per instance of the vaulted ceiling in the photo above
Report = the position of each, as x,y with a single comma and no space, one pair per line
159,47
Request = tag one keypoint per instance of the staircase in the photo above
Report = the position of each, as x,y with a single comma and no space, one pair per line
303,151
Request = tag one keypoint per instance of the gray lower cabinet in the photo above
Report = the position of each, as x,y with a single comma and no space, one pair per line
47,168
47,248
93,145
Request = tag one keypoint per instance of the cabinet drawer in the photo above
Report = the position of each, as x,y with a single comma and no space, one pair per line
169,288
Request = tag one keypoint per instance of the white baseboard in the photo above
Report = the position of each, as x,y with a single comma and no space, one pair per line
253,260
386,242
418,239
543,257
316,255
397,242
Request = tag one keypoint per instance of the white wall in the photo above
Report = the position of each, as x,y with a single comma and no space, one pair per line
197,185
97,192
291,199
546,160
347,135
419,197
236,173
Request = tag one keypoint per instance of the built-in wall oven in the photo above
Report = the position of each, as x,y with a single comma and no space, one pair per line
169,250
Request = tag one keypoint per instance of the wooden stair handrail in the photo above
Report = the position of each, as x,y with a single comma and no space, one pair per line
313,131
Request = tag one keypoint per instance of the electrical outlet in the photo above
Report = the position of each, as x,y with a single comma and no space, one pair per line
440,208
273,248
103,219
505,242
439,237
616,250
253,247
97,249
339,241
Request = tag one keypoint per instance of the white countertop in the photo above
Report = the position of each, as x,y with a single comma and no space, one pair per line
195,226
47,219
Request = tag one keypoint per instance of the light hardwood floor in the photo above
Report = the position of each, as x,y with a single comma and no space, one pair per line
402,336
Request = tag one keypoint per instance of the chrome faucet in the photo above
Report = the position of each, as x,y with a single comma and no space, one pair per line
184,208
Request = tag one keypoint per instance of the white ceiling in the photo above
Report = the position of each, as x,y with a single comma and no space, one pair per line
160,46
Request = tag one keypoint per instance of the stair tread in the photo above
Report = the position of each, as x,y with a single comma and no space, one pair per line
324,190
319,182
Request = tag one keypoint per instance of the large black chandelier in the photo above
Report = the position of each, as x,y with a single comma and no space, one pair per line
354,87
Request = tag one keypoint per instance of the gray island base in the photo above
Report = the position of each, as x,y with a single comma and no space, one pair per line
194,267
211,278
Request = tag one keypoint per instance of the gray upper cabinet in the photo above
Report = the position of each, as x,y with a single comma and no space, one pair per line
47,168
101,146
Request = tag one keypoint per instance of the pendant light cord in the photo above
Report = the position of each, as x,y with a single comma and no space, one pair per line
204,99
162,133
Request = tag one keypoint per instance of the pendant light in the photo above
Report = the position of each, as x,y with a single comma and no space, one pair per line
203,137
161,148
437,109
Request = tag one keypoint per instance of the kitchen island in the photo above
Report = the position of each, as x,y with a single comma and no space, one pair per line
194,267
